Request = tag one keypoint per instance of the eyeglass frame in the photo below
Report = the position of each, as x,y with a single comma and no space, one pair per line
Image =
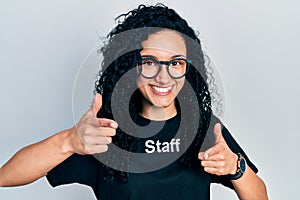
160,63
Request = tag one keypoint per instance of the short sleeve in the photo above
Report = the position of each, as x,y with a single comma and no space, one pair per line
81,169
234,146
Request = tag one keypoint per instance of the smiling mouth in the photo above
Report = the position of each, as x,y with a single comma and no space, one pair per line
161,90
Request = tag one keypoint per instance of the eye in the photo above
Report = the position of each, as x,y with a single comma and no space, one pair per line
177,63
174,63
148,62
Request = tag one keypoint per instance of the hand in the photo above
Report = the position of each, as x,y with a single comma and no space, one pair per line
91,134
219,159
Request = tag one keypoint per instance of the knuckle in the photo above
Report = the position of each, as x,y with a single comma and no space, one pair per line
100,123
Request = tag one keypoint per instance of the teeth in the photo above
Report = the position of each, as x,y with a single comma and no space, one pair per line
160,89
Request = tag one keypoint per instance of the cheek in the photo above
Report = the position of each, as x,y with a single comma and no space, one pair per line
144,93
180,84
141,81
141,84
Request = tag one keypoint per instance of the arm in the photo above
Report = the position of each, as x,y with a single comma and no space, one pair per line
250,186
90,135
220,160
34,161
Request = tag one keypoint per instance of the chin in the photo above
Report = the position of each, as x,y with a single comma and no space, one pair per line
162,104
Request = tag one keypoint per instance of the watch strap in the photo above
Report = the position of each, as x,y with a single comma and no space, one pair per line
239,173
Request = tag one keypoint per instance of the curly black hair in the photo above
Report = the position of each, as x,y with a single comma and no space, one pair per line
122,53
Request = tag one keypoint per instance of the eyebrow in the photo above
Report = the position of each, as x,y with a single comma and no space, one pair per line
175,56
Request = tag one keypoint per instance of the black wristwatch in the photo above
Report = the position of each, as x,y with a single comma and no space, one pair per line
241,168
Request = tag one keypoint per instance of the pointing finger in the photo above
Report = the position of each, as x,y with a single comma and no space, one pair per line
103,122
204,155
214,150
201,155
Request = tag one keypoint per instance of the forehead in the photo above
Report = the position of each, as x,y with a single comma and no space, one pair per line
166,40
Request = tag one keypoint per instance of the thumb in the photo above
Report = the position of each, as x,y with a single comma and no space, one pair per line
97,104
218,132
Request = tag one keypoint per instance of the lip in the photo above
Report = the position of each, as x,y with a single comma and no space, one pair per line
162,91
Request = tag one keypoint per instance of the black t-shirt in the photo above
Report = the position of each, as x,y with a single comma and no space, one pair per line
171,182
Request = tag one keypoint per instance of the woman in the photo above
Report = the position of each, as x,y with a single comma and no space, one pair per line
168,79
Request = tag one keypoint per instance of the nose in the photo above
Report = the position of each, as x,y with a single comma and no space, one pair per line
163,76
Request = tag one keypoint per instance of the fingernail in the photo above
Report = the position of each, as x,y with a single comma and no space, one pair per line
205,156
113,125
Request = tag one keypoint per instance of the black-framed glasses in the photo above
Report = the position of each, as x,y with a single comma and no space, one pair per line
150,67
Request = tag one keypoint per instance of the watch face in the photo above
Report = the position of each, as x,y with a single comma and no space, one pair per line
243,165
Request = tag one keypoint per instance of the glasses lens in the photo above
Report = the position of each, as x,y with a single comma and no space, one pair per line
177,68
149,67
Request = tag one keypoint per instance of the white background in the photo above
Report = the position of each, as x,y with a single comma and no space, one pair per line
254,44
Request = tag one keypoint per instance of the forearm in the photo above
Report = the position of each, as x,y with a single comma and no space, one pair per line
34,161
250,186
